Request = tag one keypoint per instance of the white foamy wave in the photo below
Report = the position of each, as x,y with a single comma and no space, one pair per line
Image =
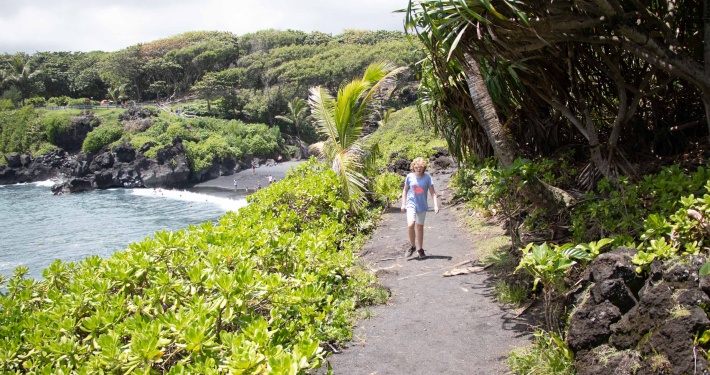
187,196
48,183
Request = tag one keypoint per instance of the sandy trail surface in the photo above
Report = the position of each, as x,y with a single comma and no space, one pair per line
432,324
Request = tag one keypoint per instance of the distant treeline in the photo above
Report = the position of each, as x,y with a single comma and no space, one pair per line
250,77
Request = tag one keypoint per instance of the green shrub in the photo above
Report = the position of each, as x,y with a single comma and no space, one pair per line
100,137
58,101
20,130
6,105
387,187
179,129
548,355
621,210
260,292
138,140
36,101
201,155
42,148
77,101
55,124
405,134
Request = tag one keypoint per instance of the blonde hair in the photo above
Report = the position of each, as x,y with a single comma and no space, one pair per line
418,161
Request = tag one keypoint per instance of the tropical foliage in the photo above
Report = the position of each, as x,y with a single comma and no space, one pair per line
261,291
540,68
612,92
404,135
341,120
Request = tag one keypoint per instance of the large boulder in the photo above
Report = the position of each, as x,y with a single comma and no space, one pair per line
125,153
169,169
13,160
625,323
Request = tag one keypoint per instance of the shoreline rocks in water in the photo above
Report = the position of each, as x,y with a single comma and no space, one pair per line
122,166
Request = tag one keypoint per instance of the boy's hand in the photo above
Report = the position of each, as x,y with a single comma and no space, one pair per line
436,209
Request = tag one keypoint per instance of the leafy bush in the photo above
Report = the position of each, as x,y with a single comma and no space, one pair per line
548,355
77,101
100,137
20,130
6,105
55,124
179,129
387,187
201,155
42,148
36,101
58,101
405,134
259,293
685,231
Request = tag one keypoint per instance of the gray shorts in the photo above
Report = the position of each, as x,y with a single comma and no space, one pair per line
415,217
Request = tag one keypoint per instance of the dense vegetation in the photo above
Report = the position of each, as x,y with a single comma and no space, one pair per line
596,114
268,290
261,291
250,77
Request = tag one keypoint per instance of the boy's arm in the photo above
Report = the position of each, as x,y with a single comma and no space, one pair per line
434,196
404,195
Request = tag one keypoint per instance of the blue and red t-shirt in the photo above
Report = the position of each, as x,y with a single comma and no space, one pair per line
417,193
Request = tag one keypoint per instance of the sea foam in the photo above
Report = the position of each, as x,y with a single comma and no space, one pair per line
188,196
47,183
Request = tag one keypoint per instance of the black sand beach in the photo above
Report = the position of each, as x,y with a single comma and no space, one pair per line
247,181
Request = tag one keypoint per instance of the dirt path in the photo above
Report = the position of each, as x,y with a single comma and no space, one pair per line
433,324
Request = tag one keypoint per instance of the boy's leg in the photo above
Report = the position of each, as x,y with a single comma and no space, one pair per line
420,236
410,230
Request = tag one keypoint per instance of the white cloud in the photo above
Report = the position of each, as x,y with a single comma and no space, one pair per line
72,25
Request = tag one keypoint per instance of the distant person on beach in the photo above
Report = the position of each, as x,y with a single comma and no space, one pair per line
253,168
414,203
278,160
235,184
271,179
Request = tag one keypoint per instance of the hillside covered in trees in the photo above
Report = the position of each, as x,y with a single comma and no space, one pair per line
251,77
229,99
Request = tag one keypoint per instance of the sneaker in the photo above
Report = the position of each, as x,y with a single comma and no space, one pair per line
421,254
410,251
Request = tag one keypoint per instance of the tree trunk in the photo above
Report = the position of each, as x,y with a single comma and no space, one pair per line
539,193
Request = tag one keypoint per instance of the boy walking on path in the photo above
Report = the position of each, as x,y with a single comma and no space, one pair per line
414,202
433,324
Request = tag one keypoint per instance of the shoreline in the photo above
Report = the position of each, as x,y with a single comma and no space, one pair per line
247,181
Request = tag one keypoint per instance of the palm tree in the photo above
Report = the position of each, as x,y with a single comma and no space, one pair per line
341,121
116,93
21,74
296,116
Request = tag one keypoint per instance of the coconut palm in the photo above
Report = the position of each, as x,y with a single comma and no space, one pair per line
341,121
116,93
296,116
21,74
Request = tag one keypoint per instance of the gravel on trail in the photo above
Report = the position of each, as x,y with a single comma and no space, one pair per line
432,324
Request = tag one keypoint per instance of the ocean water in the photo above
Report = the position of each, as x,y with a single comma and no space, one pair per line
37,227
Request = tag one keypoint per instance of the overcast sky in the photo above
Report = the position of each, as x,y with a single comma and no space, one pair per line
70,25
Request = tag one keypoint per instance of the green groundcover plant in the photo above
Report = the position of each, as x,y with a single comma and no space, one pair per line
263,291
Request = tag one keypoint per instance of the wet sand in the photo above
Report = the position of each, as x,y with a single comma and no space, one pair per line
247,181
